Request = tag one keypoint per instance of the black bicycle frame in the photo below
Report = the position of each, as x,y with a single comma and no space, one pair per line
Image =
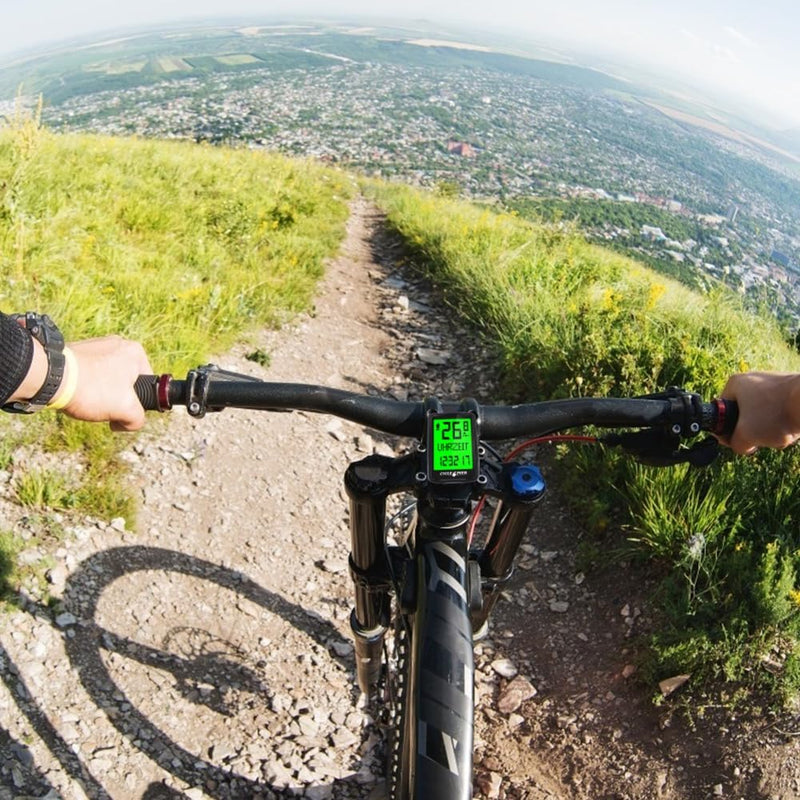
448,589
369,482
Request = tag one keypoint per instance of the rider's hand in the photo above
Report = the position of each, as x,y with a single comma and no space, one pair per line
769,410
107,370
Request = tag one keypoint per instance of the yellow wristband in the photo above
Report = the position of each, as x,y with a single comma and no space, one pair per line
67,390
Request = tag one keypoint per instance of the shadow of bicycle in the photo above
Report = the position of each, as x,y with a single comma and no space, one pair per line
203,669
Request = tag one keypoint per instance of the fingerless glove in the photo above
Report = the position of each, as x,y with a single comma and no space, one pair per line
16,354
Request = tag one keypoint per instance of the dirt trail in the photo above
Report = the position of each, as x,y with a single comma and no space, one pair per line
208,653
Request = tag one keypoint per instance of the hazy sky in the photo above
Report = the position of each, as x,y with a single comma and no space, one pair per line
746,49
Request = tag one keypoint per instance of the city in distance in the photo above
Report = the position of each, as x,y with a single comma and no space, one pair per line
696,192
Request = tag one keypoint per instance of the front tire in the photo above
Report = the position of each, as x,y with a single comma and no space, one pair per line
432,736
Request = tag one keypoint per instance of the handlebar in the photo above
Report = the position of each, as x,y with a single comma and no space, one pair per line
209,388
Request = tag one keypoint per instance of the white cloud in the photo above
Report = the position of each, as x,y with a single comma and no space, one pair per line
707,48
739,36
725,54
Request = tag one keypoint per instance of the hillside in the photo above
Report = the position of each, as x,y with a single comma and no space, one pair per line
574,319
180,246
192,248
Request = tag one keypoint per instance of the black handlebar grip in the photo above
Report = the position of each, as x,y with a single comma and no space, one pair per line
146,388
731,416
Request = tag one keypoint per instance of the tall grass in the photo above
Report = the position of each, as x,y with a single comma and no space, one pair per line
184,247
568,318
181,246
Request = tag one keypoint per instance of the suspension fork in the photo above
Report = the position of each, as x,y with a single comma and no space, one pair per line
522,487
368,483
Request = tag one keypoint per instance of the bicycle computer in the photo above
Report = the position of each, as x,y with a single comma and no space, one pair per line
452,448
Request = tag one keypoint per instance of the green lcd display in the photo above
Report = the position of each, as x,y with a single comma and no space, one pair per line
452,448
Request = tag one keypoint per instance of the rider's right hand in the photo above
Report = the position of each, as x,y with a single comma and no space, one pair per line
769,410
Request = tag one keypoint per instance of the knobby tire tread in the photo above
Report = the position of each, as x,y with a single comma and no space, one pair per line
431,726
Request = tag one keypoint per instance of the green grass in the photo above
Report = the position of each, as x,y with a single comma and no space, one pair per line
569,318
183,247
573,318
180,246
39,488
10,545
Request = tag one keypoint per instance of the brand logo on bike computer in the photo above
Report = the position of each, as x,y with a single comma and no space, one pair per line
452,447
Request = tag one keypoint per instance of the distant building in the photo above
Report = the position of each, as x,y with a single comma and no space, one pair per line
649,232
780,258
715,220
461,149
